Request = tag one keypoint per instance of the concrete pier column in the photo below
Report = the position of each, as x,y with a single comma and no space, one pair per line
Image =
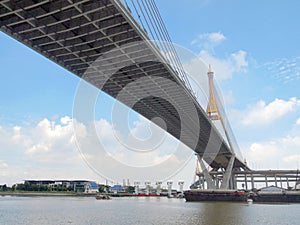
158,188
136,187
209,181
147,184
246,182
252,181
266,180
227,181
217,183
170,183
180,184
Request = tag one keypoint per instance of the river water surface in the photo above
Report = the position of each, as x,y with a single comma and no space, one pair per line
88,210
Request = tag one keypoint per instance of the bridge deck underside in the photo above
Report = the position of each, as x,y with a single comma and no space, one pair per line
95,40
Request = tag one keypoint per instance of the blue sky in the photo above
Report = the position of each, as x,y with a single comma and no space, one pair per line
253,47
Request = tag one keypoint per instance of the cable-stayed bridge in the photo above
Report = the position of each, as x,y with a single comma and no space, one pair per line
107,43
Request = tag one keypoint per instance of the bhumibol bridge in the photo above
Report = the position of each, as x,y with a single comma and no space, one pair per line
108,44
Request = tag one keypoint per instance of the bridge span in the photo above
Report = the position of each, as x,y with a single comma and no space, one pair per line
101,42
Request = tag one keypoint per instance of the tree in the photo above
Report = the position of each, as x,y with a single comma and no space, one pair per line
103,188
130,189
3,187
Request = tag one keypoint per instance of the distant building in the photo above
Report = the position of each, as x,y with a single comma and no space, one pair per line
91,187
117,189
67,185
39,182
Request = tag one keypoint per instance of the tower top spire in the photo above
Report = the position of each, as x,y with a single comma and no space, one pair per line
209,68
212,108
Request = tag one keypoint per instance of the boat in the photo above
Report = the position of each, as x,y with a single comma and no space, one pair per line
287,197
276,196
215,195
103,197
180,195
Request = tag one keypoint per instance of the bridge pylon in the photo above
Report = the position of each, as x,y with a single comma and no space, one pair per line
207,179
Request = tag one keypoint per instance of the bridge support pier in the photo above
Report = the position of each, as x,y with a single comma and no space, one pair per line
209,181
228,174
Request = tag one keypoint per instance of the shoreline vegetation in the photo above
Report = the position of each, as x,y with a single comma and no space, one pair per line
60,194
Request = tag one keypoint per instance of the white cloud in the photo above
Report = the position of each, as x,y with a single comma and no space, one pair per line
239,58
3,165
50,152
263,151
37,148
291,141
292,158
222,68
139,148
65,120
49,140
298,121
279,153
141,129
208,41
216,37
17,138
262,113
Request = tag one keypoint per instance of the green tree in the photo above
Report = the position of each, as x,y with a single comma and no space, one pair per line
130,189
103,188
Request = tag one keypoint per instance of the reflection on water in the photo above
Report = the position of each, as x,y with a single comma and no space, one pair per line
87,210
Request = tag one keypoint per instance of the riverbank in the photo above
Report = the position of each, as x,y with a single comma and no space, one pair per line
45,194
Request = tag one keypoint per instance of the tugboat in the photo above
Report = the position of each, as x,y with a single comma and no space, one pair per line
103,197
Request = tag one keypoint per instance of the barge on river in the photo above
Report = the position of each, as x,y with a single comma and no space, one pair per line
275,194
215,195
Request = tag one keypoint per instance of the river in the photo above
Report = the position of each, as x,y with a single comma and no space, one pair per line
88,210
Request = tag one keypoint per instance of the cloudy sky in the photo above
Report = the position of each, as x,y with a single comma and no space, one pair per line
253,47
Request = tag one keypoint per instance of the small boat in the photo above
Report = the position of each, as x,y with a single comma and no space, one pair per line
180,195
103,197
